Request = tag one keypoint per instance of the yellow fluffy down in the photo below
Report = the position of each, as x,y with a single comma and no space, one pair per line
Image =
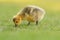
30,18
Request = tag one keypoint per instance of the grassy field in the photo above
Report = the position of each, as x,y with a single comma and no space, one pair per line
48,28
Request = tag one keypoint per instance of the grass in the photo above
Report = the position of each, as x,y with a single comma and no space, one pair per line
26,35
48,28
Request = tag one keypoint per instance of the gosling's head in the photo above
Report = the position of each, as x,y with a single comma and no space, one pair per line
16,20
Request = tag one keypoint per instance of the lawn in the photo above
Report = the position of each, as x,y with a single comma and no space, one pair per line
48,28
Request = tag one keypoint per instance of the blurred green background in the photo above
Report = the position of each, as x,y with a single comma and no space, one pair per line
48,28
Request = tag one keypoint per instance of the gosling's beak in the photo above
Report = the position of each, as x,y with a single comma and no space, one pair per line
16,25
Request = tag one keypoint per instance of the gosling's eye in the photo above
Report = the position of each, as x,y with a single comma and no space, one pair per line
16,21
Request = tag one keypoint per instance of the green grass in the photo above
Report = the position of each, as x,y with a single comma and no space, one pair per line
27,35
48,28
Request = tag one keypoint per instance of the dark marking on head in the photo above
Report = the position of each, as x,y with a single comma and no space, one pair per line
14,19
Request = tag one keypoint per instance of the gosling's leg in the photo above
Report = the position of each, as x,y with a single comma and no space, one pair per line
36,22
28,23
